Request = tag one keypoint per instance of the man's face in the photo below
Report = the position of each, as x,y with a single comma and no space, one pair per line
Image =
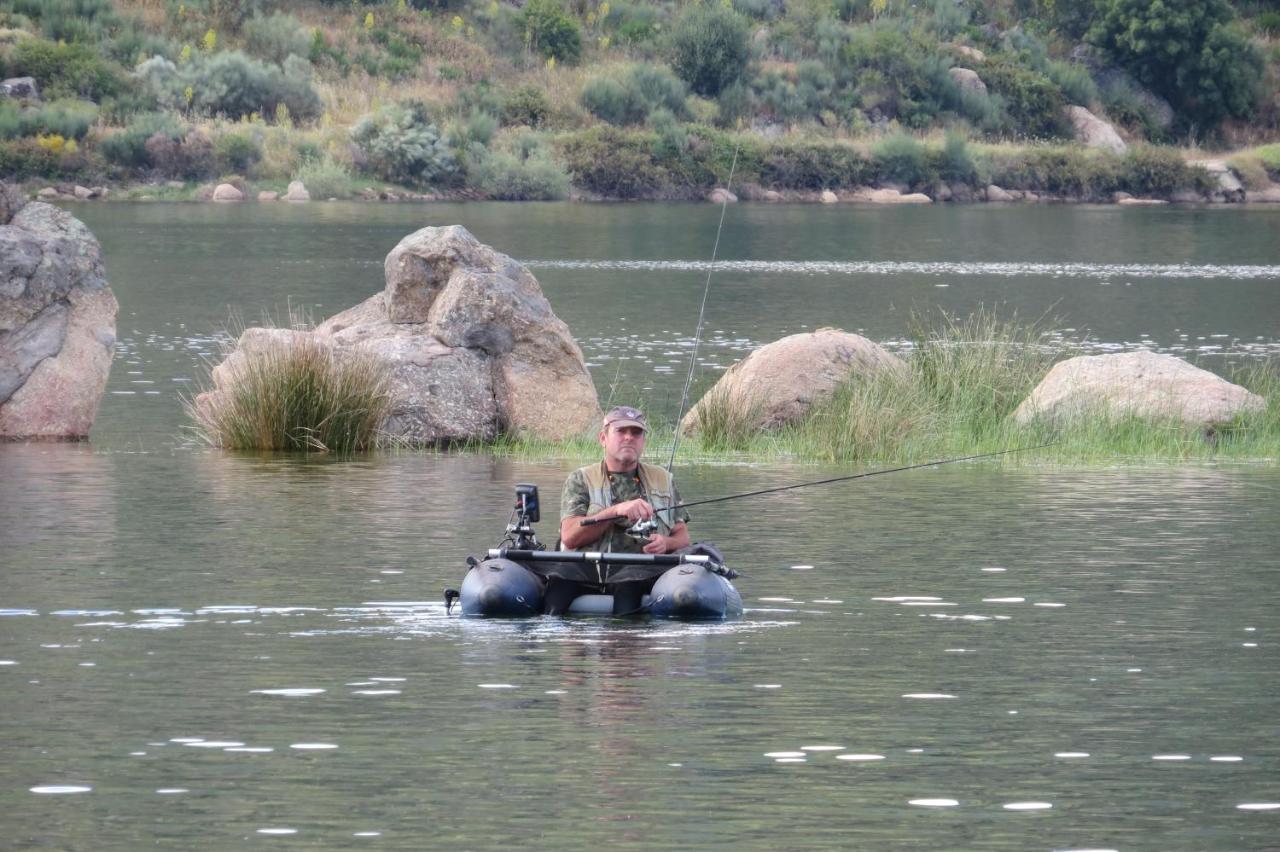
623,446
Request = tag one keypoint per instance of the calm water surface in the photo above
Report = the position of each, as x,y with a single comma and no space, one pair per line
205,650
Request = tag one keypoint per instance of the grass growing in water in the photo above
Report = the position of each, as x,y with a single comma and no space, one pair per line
960,382
295,392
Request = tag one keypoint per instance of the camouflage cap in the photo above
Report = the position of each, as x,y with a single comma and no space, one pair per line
625,415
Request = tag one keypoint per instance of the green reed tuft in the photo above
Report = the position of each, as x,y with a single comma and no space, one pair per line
298,393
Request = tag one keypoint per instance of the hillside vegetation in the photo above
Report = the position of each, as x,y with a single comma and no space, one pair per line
634,98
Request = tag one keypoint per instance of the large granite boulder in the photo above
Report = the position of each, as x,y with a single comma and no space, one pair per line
1093,132
1142,384
57,323
778,383
968,80
473,346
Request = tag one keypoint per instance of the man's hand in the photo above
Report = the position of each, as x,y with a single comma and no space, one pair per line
634,510
657,543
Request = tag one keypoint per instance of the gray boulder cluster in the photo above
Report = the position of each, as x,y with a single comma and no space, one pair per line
473,347
778,384
57,322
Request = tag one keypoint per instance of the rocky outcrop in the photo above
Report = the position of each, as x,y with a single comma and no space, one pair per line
1228,186
472,346
297,192
778,383
828,197
968,80
225,192
995,193
1142,384
57,323
720,195
23,88
1093,132
889,196
970,53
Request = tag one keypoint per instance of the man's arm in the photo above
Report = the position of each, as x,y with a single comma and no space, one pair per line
573,535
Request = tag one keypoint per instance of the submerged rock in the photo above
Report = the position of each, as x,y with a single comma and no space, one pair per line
57,324
778,383
473,347
1142,384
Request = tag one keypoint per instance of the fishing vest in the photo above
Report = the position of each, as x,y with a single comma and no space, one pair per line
655,484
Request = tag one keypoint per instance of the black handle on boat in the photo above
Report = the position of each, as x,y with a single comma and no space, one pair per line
594,557
586,522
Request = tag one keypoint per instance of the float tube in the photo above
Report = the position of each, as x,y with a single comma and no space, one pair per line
510,583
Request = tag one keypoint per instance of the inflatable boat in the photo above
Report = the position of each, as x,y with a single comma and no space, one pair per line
510,582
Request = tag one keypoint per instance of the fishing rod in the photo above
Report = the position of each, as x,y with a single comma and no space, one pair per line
702,310
586,522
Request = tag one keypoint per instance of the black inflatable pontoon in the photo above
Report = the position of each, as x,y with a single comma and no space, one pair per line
510,581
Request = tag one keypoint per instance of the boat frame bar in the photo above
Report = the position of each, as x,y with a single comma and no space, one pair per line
597,557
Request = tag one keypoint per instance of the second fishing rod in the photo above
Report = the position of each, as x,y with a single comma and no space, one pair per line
641,527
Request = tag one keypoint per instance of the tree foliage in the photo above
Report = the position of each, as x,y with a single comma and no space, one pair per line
1187,51
710,48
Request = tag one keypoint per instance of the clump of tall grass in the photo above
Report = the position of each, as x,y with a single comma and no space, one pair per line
296,392
727,422
959,383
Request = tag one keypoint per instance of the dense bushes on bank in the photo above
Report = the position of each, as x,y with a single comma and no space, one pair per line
441,94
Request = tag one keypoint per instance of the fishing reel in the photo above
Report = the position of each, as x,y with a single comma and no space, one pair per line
641,530
527,512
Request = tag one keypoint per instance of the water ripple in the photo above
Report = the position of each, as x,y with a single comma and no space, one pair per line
898,267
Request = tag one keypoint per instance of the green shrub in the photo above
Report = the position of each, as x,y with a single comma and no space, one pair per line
613,163
899,74
1074,81
795,95
26,158
476,129
511,177
1067,171
235,85
1270,157
300,395
1187,51
127,147
1151,170
1032,102
527,105
277,37
188,158
1127,105
632,23
1268,23
902,158
69,119
630,95
813,166
402,146
551,31
237,152
65,70
710,48
955,160
325,177
68,20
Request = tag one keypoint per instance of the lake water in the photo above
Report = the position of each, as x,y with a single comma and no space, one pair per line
206,650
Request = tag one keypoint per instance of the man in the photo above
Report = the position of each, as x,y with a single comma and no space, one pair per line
625,490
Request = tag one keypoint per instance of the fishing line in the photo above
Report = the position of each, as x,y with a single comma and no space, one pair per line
702,311
590,521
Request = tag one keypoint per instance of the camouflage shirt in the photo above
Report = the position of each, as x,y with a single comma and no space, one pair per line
623,487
